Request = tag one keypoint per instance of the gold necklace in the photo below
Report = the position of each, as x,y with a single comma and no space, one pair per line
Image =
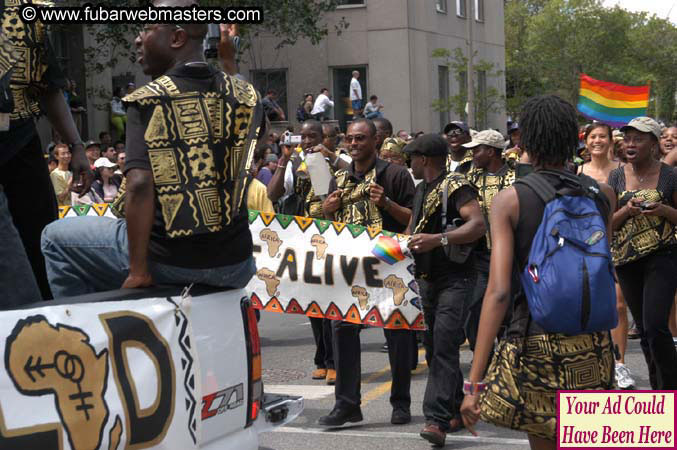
641,179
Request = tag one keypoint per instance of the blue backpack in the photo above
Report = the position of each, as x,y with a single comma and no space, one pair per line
569,277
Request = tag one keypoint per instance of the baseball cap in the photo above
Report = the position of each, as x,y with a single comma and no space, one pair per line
104,162
456,124
428,145
91,143
513,127
492,138
271,158
645,125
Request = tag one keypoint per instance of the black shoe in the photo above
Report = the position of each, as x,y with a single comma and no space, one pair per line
338,417
400,416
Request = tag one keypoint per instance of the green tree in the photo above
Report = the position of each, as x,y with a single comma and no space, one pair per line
488,99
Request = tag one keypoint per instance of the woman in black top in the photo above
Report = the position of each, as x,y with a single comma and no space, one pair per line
523,383
644,245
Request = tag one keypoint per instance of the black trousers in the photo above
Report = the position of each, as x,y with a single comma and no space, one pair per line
348,362
649,285
32,203
474,309
445,304
324,347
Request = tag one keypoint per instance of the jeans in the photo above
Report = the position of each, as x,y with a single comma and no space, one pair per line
472,321
347,359
357,105
90,254
32,203
444,307
374,115
648,286
324,347
17,282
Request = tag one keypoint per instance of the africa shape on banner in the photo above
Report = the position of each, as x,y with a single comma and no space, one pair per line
335,270
326,269
107,375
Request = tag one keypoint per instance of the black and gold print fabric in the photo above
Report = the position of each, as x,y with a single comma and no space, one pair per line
433,200
356,208
525,375
488,185
641,235
199,145
462,166
22,48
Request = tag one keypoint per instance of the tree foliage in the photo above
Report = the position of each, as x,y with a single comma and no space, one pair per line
550,42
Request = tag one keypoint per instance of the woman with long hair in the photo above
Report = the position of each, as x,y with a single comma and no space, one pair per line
523,379
644,245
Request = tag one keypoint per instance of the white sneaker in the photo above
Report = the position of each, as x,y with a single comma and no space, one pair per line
623,377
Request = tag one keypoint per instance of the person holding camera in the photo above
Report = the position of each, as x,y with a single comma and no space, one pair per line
370,192
445,277
644,245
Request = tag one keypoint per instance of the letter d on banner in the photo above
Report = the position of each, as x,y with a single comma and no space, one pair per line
128,329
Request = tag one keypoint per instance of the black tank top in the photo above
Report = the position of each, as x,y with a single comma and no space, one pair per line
531,209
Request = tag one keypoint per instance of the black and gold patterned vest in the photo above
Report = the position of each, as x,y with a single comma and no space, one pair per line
312,204
488,185
200,146
433,200
463,165
356,208
22,50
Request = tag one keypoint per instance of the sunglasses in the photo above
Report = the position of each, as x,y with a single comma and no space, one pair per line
455,132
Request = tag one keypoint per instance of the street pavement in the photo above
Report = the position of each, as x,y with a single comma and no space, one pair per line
288,349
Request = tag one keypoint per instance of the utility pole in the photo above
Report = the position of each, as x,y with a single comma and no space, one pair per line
470,75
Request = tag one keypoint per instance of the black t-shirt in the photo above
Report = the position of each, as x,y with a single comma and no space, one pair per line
229,246
397,186
435,265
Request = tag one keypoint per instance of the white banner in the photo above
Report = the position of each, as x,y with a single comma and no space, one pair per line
108,375
329,269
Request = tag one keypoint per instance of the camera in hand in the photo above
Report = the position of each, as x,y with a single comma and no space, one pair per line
291,139
645,206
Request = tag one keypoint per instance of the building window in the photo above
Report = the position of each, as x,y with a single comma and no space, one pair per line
351,2
482,106
461,8
463,91
276,80
441,6
443,80
479,10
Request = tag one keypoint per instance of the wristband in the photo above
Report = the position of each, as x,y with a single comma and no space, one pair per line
470,388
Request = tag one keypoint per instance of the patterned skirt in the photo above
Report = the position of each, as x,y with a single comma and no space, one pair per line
522,385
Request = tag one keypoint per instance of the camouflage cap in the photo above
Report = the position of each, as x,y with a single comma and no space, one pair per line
492,138
645,125
394,144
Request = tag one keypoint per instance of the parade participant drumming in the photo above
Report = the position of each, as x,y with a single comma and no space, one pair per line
191,135
28,83
445,287
370,192
489,174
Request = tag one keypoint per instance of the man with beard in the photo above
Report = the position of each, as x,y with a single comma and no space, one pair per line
460,158
184,190
370,192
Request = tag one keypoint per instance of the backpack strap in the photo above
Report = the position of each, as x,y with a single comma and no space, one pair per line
537,183
445,201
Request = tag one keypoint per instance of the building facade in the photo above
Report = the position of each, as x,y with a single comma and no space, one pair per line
391,43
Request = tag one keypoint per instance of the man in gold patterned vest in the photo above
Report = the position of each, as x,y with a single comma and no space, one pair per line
29,77
445,286
191,134
370,192
489,174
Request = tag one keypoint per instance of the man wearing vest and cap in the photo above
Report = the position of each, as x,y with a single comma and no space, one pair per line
370,192
460,159
489,174
191,134
445,286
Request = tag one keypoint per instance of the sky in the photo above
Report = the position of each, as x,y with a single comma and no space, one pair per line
659,7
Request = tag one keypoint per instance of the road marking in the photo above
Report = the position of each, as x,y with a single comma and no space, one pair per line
307,391
399,435
384,387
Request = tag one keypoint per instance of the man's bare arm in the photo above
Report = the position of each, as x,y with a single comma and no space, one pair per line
139,211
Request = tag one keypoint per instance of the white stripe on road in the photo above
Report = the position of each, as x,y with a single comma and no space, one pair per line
399,435
308,392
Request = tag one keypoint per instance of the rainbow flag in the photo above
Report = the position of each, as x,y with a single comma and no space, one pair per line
611,103
388,250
